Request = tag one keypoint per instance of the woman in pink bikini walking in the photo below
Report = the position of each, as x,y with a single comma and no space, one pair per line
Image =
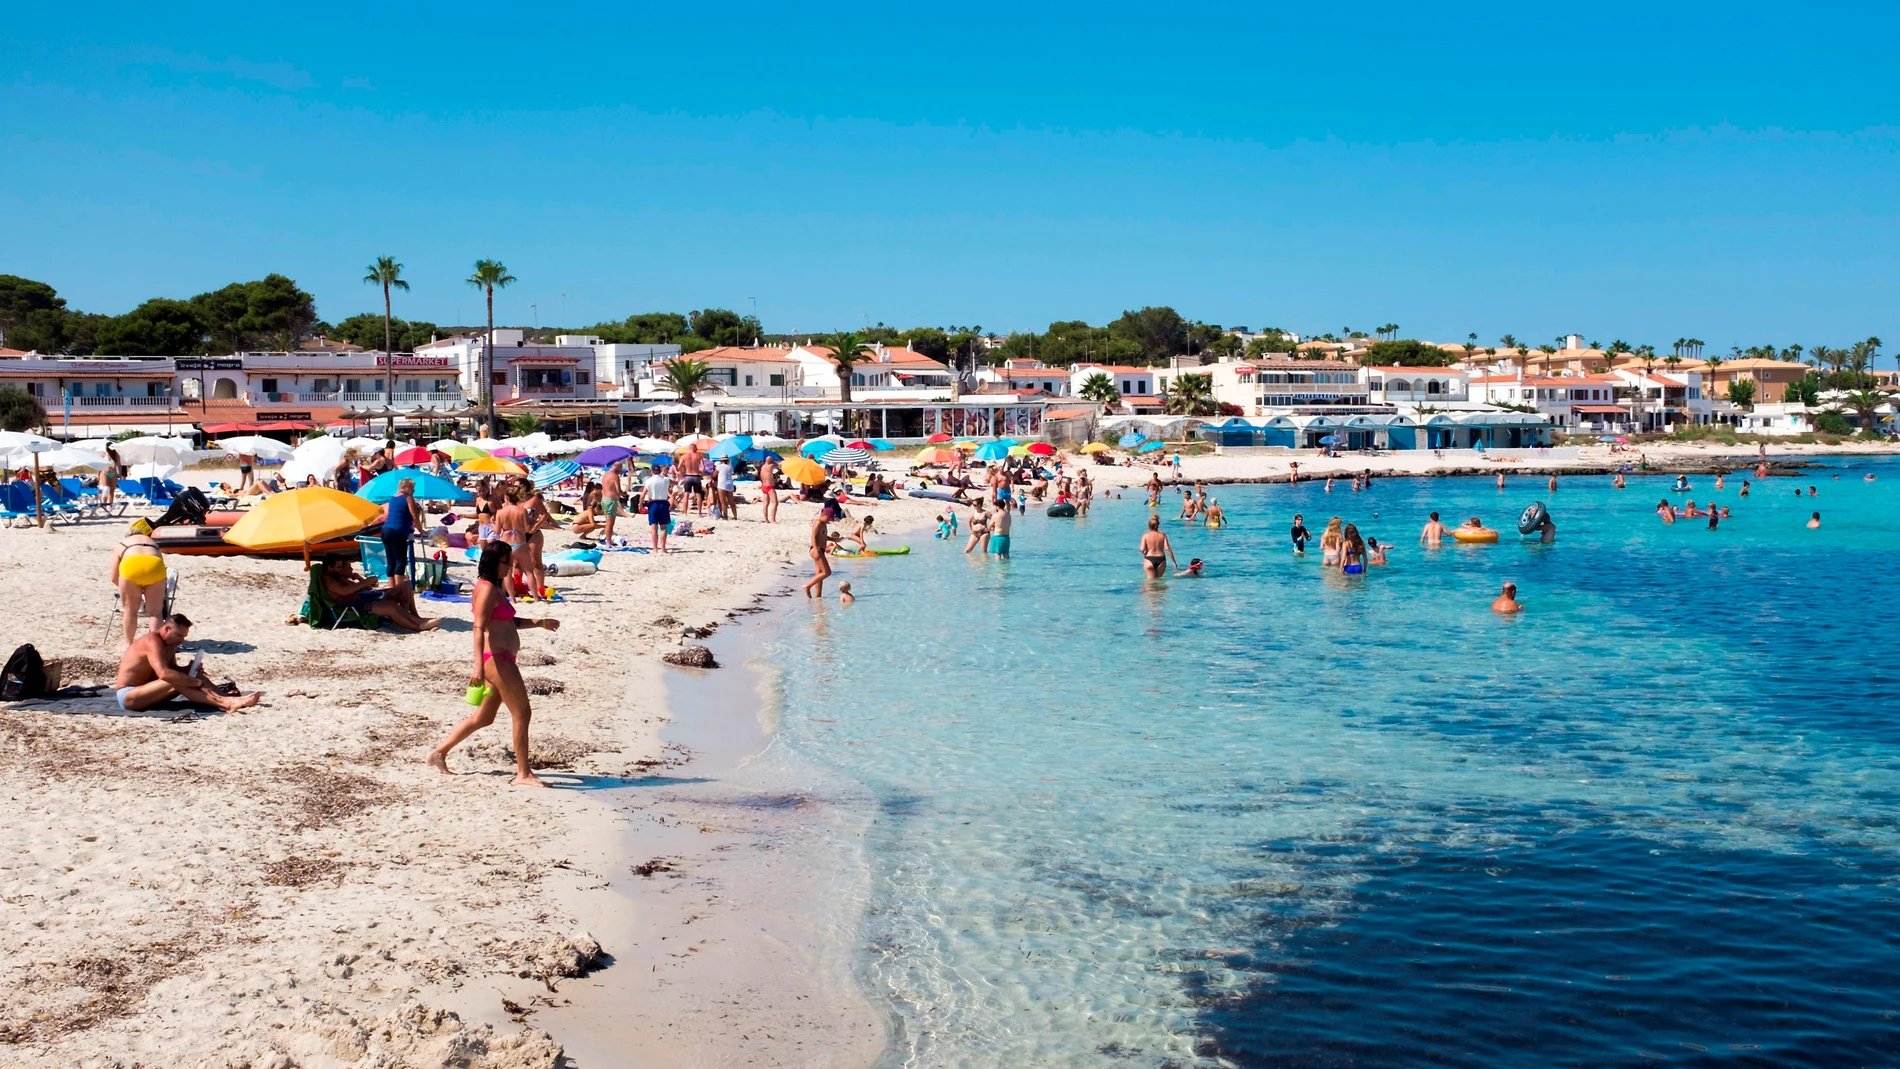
497,639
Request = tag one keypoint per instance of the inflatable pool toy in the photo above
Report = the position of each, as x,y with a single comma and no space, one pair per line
891,551
1062,510
1532,518
568,567
934,495
1474,535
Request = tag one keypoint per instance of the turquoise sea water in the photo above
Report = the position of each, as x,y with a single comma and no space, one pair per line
1278,816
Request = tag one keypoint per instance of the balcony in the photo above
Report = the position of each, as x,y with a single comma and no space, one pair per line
124,401
351,398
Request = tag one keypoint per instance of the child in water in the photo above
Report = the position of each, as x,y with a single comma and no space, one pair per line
943,528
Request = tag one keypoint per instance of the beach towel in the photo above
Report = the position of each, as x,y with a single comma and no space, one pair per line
431,595
103,701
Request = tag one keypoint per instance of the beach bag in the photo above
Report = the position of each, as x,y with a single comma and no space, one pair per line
24,677
188,509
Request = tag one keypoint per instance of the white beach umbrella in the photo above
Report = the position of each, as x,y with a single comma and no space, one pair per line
152,449
769,441
60,458
443,446
150,470
565,447
490,444
653,445
689,439
256,445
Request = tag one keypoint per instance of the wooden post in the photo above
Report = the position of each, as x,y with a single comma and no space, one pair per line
39,511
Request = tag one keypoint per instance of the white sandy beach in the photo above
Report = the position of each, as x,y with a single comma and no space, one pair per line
293,886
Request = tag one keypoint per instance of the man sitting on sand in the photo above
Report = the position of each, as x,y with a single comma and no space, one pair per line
149,673
397,604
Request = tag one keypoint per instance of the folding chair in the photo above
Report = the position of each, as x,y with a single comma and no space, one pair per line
118,603
321,612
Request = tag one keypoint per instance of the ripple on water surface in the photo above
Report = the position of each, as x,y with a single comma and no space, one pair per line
1281,817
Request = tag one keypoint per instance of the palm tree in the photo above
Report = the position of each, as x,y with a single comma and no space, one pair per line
1863,402
848,353
1192,395
686,377
1100,388
490,275
386,272
1550,353
1509,341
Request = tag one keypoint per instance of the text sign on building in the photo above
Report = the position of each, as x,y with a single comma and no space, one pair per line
400,360
210,363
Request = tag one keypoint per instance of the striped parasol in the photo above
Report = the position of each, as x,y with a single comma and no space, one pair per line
845,455
557,471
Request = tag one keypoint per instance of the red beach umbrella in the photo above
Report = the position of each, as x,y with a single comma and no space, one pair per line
937,439
413,456
1042,449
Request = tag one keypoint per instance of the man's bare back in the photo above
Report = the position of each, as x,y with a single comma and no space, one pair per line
149,673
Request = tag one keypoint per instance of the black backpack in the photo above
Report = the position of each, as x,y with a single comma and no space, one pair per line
188,509
25,675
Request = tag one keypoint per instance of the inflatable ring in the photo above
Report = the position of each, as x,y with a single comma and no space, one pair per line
1474,534
1532,518
1062,510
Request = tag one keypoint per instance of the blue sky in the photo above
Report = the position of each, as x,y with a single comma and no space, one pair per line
1625,171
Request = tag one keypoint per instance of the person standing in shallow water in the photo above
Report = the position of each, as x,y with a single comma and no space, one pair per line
1156,551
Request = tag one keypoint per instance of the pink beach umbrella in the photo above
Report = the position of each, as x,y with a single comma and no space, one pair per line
507,451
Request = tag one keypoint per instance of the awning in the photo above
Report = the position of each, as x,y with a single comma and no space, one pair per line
1607,410
107,430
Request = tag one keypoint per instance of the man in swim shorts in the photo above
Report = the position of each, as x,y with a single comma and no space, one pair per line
1434,532
610,500
656,497
999,535
149,673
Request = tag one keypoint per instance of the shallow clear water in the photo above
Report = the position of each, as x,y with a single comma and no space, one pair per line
1277,816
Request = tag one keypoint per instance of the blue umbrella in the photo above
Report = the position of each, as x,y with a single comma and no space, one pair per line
757,456
1331,439
1607,438
731,447
1131,439
817,447
554,472
658,461
846,455
602,456
881,445
1151,447
429,487
992,451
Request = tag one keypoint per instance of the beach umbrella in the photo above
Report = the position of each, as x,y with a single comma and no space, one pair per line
817,447
149,470
1131,439
937,439
554,472
1607,438
1331,439
769,441
492,465
602,456
256,445
1095,447
758,456
1005,441
566,447
992,451
302,517
731,447
155,450
964,444
846,455
803,471
1151,447
66,458
485,444
657,461
429,487
506,451
937,456
688,439
1042,449
460,451
414,455
446,446
1018,450
371,445
655,445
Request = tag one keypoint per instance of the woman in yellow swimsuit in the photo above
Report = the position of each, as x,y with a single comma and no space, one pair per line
138,568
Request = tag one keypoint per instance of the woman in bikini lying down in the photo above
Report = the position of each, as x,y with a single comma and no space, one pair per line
497,638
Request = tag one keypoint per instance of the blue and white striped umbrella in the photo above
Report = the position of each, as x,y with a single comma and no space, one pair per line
844,455
556,471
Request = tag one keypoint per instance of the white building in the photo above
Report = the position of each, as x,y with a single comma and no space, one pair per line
1025,376
1274,384
576,366
1140,390
811,372
1592,402
1777,419
1416,386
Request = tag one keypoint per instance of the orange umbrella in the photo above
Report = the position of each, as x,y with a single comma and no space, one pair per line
493,466
937,456
803,471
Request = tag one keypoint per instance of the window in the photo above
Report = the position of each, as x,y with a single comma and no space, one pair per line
498,378
349,385
726,376
270,385
748,380
36,389
581,378
156,389
1143,384
775,379
1433,387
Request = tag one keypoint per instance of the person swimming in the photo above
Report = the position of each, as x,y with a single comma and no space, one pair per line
1352,551
1682,483
1814,520
1506,602
1666,511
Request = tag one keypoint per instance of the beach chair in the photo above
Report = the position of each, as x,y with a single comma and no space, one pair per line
89,497
156,492
320,611
10,510
64,504
132,493
118,603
